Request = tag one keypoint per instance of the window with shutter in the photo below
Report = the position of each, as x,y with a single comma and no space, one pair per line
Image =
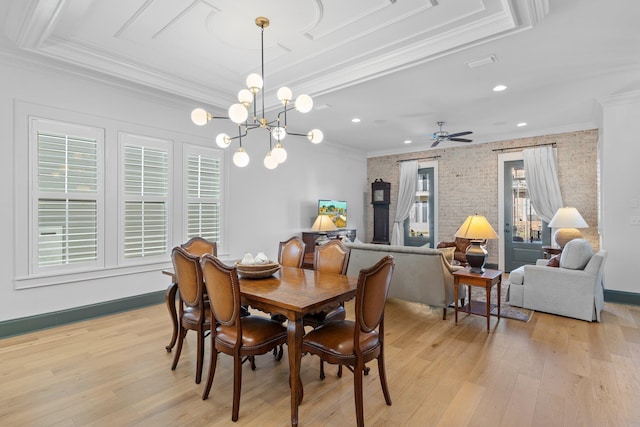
203,194
145,196
66,195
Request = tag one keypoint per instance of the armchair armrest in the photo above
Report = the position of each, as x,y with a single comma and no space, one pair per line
445,245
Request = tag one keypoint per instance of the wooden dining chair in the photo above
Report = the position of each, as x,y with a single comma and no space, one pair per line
200,246
239,337
193,312
291,252
354,343
332,257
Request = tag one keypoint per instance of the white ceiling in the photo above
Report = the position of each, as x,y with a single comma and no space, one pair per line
400,66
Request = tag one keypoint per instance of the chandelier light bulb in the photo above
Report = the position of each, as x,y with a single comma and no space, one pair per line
279,153
278,133
245,97
238,114
240,158
223,140
285,95
254,82
304,103
270,162
315,136
199,116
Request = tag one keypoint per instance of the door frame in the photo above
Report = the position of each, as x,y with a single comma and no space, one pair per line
502,158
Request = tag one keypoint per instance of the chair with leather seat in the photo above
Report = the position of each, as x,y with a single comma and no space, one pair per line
354,343
240,337
332,257
193,311
291,252
200,246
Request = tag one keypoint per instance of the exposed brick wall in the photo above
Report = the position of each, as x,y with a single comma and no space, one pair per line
468,181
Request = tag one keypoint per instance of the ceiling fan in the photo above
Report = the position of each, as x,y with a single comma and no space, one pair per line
442,135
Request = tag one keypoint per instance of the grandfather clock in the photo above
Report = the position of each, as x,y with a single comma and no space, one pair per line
380,199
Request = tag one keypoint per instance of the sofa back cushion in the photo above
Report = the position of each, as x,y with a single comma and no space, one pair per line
576,254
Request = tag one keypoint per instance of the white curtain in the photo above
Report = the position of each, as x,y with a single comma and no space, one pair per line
541,174
406,198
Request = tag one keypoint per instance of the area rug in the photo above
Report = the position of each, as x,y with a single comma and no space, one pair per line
506,310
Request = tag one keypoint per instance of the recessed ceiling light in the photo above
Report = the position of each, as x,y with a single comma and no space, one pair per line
499,88
521,124
407,141
355,120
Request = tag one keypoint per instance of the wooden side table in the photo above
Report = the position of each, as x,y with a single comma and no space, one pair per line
549,251
485,280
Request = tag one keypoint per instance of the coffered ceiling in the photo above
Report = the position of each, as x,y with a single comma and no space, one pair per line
398,65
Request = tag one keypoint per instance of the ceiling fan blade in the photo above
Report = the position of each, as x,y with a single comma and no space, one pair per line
436,143
453,135
460,139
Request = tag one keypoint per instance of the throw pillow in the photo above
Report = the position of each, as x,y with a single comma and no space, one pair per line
554,261
576,254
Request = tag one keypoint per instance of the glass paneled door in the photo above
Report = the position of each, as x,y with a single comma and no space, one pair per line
524,231
419,227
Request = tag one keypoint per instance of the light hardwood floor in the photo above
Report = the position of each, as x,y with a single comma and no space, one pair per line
552,371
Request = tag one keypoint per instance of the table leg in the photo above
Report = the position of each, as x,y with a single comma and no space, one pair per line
499,296
455,298
170,298
294,342
488,298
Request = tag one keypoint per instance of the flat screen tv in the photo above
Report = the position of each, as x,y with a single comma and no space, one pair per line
336,209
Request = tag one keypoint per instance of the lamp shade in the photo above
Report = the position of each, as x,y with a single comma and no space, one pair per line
323,223
567,221
568,218
476,227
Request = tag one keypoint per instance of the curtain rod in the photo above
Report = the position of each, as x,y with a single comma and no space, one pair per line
421,158
553,144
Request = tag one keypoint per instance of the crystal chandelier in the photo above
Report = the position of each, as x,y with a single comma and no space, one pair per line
277,128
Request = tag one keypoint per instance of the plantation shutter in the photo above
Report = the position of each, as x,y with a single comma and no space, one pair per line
203,197
66,192
146,192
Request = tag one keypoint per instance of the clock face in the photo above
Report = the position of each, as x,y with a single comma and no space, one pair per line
378,196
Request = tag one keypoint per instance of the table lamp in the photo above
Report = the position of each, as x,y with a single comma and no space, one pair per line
567,221
323,223
478,230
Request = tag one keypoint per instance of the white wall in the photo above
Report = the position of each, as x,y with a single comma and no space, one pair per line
261,207
620,191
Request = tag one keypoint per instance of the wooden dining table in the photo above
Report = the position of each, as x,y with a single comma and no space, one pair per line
292,292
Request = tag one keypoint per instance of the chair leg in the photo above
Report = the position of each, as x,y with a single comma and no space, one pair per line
199,356
444,313
181,334
237,384
339,371
212,371
383,377
357,391
321,369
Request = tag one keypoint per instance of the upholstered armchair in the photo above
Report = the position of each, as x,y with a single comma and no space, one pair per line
573,289
460,246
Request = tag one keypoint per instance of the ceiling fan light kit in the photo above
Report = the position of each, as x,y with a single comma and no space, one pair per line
276,128
442,135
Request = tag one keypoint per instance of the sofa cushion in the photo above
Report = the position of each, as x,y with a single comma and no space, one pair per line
554,261
448,253
576,254
517,276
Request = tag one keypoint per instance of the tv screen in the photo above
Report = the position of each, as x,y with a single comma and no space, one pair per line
336,209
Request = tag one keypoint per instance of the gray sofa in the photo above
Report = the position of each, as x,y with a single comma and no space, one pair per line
421,275
574,289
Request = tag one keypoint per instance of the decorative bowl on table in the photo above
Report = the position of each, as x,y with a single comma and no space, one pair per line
257,271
